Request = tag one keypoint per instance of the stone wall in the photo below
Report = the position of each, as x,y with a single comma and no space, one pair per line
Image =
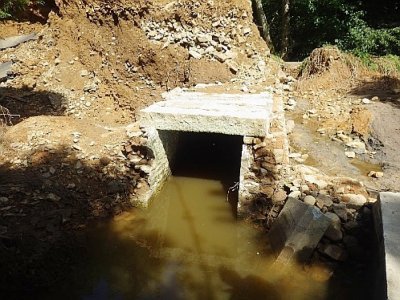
263,159
163,146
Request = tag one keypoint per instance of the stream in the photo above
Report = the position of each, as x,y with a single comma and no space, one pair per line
188,245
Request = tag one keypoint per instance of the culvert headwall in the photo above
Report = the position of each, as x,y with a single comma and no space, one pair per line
257,118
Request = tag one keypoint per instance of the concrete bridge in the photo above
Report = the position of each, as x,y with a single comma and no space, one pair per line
240,114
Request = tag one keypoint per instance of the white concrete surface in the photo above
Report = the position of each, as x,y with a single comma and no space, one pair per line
236,114
390,208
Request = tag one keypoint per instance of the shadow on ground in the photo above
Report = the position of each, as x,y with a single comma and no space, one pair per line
384,87
19,104
46,209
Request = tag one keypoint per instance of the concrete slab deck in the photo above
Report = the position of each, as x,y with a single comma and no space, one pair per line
236,114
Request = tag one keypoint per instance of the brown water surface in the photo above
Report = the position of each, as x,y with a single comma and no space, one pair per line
188,245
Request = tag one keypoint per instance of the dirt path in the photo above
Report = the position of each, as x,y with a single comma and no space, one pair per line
386,130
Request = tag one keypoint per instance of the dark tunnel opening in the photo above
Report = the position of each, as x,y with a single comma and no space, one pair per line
207,156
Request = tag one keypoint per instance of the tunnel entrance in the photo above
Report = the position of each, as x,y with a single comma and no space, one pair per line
208,131
206,156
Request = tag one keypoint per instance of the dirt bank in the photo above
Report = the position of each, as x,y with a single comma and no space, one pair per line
346,119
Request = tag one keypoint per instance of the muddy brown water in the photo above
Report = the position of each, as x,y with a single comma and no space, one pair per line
188,245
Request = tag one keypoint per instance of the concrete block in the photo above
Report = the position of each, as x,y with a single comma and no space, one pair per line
4,69
297,231
163,144
390,225
236,114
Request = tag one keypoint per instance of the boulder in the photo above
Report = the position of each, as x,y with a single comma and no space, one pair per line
354,200
297,231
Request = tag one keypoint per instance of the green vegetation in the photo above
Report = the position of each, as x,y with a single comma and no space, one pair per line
387,64
11,8
361,27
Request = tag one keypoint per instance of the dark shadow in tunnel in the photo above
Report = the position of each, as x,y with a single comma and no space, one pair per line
209,156
19,104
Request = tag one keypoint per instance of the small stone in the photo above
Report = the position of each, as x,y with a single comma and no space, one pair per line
358,146
305,188
295,194
279,196
294,155
258,146
267,191
350,154
84,73
78,165
354,200
195,54
246,31
145,169
244,89
53,197
375,174
52,170
248,140
324,200
340,210
366,101
292,102
334,231
375,98
203,39
233,67
132,131
105,160
310,200
3,199
90,87
321,184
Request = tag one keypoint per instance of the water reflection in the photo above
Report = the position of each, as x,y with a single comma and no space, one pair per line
189,246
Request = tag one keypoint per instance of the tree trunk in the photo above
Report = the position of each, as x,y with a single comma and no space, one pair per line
262,23
285,28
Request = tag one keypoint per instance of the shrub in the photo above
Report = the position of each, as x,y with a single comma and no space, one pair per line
11,8
362,39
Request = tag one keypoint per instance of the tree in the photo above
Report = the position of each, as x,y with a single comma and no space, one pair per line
262,22
285,32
